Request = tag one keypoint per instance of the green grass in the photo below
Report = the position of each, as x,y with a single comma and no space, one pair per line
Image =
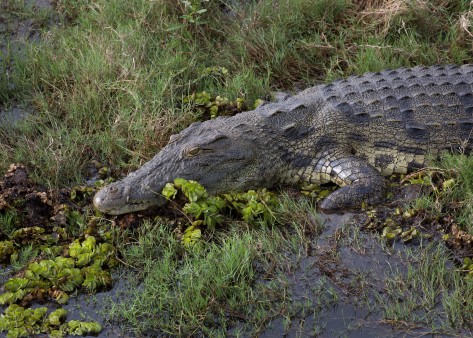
460,198
231,279
8,220
18,19
427,291
117,71
456,200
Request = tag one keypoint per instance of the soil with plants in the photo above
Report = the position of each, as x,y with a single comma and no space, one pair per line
49,260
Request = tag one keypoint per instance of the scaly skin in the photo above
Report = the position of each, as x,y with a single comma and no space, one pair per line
350,132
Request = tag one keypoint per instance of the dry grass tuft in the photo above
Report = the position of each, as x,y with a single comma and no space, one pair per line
382,13
465,22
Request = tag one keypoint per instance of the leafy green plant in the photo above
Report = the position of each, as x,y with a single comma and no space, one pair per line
200,205
6,250
90,253
393,225
21,322
31,235
192,235
213,106
468,266
59,276
193,10
81,192
78,328
252,207
316,190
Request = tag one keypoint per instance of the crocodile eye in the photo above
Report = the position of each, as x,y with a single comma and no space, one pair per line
193,151
174,138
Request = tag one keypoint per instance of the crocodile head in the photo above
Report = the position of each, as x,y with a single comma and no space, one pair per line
221,156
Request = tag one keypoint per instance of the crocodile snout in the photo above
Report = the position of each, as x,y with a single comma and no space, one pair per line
108,196
117,199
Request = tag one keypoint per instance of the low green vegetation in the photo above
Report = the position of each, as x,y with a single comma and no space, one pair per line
430,293
231,279
109,81
61,275
20,322
120,72
457,198
252,206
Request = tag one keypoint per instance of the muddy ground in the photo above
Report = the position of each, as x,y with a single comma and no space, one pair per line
17,28
336,259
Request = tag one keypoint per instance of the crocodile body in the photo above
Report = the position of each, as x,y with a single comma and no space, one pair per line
351,132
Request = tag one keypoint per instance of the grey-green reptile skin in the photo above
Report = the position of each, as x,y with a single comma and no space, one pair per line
351,132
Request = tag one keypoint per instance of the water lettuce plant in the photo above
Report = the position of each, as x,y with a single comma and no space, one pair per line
251,206
56,278
6,249
21,322
215,105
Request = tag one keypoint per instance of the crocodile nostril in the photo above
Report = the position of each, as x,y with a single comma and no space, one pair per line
97,200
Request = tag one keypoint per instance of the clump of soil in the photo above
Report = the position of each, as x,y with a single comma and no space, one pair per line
32,204
397,220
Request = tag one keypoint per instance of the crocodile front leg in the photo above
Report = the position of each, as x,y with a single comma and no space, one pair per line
359,180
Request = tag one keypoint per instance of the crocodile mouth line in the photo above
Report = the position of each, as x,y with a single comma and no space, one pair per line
136,203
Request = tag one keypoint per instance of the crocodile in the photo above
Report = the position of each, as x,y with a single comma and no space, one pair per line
352,132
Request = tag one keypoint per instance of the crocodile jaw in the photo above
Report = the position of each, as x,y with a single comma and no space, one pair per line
119,199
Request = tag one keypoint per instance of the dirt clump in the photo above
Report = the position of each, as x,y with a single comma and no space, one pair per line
29,204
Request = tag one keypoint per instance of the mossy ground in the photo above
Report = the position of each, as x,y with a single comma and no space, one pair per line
109,82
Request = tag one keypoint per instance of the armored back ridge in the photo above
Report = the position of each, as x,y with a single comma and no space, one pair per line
350,132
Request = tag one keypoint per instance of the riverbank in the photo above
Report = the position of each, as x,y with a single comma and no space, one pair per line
96,88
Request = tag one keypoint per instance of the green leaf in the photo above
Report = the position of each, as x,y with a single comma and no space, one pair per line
89,244
11,297
192,235
15,284
78,328
96,278
390,233
169,191
6,249
448,184
56,334
408,235
59,296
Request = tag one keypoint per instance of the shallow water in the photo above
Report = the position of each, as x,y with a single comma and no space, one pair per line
323,286
345,317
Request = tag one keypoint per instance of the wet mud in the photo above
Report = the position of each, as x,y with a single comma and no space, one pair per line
327,283
20,25
33,216
341,266
17,27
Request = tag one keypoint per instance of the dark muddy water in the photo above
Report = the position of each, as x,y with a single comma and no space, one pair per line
337,265
323,285
11,116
